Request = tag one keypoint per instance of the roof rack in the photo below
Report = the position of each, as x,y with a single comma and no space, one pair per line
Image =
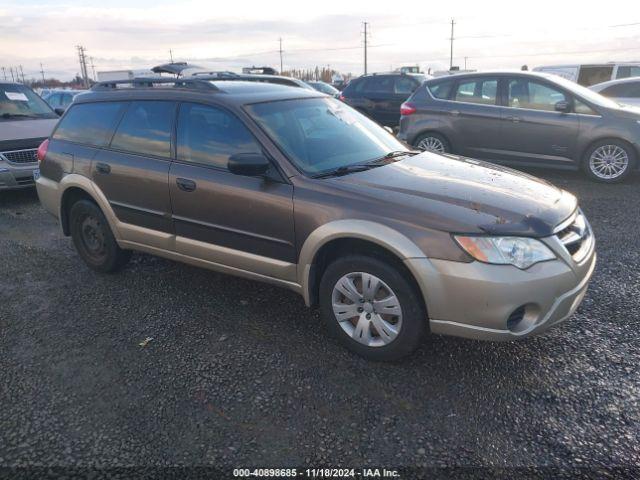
215,74
189,83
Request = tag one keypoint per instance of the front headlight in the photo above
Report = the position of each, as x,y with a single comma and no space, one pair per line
520,252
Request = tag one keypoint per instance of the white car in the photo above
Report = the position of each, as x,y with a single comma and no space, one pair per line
624,90
591,74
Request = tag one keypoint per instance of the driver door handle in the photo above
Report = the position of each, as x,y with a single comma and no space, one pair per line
185,184
513,119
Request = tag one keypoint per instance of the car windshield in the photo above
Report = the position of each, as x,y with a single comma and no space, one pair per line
321,134
18,101
585,93
324,88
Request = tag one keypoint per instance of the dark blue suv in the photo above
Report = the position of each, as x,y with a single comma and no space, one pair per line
380,95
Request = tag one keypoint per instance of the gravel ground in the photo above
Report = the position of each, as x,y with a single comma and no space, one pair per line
241,374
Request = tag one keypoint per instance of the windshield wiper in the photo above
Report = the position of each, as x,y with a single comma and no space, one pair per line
17,115
346,169
361,167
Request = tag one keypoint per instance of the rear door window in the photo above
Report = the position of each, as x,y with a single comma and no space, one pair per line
590,75
146,129
209,136
90,123
531,95
404,85
481,90
381,84
627,71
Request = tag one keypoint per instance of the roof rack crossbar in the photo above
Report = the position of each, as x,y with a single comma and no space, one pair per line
141,82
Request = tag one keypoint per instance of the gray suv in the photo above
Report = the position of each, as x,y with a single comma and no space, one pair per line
25,121
292,187
524,119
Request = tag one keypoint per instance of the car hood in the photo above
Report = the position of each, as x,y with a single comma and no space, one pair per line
462,195
16,134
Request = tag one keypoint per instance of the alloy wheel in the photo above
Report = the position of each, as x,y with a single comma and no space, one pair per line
433,144
608,162
367,309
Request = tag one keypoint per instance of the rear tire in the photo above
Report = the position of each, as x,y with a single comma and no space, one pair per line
609,161
383,319
94,240
433,142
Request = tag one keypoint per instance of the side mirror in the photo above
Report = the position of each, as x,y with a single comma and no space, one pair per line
249,164
563,106
59,111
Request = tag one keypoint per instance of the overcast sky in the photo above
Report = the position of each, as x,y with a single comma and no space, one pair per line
231,34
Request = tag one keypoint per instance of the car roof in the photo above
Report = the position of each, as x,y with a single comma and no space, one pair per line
232,92
493,73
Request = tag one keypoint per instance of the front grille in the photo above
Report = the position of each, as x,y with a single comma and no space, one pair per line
21,156
576,237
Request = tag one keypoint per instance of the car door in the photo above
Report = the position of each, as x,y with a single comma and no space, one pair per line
132,173
379,92
533,130
474,117
244,222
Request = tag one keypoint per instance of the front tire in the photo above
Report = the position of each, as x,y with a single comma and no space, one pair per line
609,161
94,240
371,307
432,142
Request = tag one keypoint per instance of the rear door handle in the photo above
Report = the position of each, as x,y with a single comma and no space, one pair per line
185,184
103,168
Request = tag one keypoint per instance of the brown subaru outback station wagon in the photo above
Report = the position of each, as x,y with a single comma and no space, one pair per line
292,187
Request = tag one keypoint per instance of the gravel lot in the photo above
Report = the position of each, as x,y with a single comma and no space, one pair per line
241,374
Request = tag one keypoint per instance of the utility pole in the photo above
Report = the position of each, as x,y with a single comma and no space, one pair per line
453,22
42,73
83,65
465,62
4,73
280,40
93,69
366,24
171,55
13,79
21,73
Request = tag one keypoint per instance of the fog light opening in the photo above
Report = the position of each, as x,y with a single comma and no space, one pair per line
515,319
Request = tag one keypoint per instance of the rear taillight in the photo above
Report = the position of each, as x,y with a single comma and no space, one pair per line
42,150
407,109
341,98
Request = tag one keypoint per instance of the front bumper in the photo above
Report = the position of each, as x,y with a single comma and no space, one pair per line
13,176
475,300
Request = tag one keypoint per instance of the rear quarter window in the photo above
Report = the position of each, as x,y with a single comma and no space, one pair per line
90,123
441,90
